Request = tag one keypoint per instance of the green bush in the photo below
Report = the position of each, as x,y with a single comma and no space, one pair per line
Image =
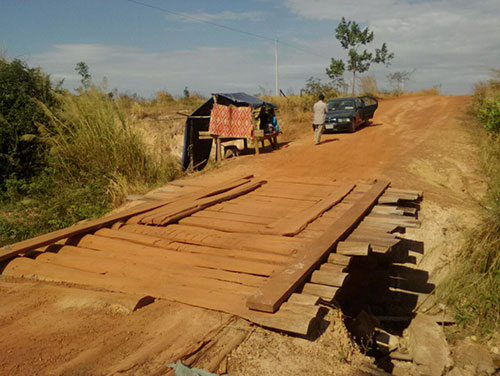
21,151
489,114
45,204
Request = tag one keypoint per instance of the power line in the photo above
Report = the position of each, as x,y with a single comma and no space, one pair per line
199,19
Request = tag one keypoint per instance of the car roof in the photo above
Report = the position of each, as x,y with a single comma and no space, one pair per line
343,98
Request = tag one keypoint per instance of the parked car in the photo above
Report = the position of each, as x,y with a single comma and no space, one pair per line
348,114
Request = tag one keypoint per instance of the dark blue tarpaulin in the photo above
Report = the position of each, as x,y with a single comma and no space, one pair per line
196,152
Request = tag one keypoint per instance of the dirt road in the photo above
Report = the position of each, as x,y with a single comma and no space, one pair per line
415,142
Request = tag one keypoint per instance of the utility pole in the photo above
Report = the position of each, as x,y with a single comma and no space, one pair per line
276,67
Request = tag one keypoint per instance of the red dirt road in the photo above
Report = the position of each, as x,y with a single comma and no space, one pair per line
46,328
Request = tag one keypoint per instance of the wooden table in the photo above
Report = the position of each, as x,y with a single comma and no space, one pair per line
259,136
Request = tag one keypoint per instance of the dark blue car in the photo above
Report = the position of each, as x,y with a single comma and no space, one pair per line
348,114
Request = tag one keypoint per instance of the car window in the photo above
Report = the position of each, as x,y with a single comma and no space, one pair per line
337,105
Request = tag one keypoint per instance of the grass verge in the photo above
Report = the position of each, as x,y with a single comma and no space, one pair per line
472,288
93,159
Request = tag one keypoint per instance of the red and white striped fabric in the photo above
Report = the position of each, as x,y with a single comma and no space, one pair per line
229,121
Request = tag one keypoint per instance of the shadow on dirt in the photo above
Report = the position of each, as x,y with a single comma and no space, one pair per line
329,140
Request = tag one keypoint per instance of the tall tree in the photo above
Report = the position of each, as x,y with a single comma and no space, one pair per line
351,38
83,70
398,79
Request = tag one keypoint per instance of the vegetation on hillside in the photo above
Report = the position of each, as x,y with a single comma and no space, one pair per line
473,286
66,157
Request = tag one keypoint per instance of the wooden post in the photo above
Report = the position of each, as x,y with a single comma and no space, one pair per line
255,138
218,154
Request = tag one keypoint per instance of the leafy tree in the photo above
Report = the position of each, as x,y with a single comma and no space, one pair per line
398,79
351,38
186,92
83,70
21,150
315,88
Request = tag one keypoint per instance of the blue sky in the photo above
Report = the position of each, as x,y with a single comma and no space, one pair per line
139,49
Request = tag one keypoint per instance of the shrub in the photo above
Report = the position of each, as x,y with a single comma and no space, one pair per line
489,114
314,88
369,86
21,152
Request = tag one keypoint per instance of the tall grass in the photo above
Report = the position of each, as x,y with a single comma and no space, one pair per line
94,158
294,113
473,286
91,140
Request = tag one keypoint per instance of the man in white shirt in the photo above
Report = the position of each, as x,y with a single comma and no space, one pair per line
319,109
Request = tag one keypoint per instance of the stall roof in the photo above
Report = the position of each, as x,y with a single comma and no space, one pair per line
244,98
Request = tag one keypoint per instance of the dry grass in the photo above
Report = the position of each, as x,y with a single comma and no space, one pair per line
473,286
294,114
90,138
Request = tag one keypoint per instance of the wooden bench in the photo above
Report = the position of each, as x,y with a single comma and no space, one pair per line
258,137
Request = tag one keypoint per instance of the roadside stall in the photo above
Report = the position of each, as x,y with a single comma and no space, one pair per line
225,117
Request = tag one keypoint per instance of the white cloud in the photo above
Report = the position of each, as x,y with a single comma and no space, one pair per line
226,15
205,69
449,42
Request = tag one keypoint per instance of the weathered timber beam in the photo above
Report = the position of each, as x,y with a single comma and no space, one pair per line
284,282
13,250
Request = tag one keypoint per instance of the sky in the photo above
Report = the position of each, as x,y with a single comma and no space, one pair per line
145,46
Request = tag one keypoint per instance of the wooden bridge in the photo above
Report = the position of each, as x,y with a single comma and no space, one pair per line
267,251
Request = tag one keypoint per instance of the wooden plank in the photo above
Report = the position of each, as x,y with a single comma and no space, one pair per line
400,221
292,225
377,226
157,261
306,310
394,209
335,258
259,211
419,194
332,268
374,233
303,299
205,298
217,239
353,248
322,291
245,218
116,267
284,282
13,250
328,278
193,196
385,199
208,261
187,208
285,320
407,196
244,254
223,225
306,180
373,240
